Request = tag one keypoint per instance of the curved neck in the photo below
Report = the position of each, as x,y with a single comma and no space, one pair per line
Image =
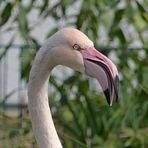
42,123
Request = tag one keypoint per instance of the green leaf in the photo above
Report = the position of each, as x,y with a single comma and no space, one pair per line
117,32
26,131
65,4
145,77
29,6
14,133
6,13
120,35
44,6
6,48
115,29
143,12
118,15
26,59
22,21
52,31
7,97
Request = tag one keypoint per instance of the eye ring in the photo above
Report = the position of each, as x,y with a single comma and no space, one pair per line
76,47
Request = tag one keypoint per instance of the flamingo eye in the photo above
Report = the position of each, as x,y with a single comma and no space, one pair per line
76,47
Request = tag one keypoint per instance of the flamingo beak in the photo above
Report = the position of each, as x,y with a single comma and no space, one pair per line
103,69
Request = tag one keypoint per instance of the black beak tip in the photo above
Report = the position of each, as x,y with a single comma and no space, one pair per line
106,93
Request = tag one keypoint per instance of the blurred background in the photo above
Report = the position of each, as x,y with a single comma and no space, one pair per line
119,29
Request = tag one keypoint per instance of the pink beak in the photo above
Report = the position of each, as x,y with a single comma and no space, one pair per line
102,68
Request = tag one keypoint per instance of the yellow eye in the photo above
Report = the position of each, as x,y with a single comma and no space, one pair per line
76,47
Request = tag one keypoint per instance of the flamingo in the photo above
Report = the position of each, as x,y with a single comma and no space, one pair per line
72,48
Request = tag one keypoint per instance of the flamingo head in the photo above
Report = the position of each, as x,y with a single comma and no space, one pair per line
74,49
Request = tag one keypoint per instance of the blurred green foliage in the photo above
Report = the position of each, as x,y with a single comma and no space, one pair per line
119,29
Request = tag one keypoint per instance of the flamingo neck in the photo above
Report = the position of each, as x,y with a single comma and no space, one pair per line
42,123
